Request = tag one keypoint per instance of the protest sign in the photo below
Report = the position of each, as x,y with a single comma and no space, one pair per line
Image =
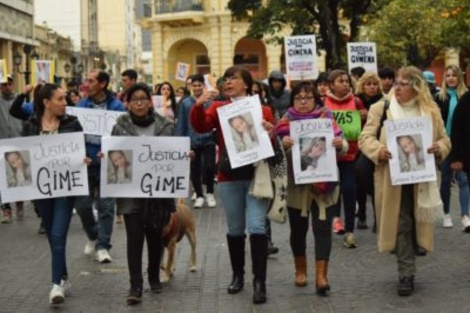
313,154
160,104
182,71
245,138
145,167
42,72
408,141
95,122
363,54
43,167
350,123
209,82
301,57
3,71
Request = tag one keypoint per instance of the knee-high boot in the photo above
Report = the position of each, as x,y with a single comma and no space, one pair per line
259,260
236,248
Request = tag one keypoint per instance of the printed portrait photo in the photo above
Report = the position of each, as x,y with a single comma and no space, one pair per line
312,150
42,72
243,132
119,167
18,170
410,153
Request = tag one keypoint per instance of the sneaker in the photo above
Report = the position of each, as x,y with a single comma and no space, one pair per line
199,203
466,224
89,247
194,197
338,226
272,249
362,224
210,199
349,241
447,221
57,295
134,296
406,285
20,210
102,255
7,216
66,286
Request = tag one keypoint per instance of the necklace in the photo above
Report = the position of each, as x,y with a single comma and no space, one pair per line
50,126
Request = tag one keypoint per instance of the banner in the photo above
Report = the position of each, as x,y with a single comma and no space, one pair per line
182,71
245,138
43,167
408,141
95,122
3,71
42,72
350,123
362,54
301,57
313,154
145,167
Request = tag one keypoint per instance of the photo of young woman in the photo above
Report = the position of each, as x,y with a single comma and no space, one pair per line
18,172
410,153
120,168
243,132
311,150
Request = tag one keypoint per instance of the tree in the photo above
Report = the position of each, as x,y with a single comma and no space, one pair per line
320,17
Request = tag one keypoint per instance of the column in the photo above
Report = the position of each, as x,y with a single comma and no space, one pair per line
225,42
157,53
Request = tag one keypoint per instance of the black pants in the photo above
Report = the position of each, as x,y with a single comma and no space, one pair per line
203,169
321,232
364,185
137,231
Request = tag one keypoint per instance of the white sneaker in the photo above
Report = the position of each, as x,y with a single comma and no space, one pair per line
194,197
103,256
66,286
89,247
210,199
466,224
57,295
199,203
447,221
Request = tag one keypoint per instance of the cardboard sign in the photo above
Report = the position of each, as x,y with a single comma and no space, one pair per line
95,122
42,71
350,123
362,54
313,154
42,167
145,167
301,57
3,71
182,71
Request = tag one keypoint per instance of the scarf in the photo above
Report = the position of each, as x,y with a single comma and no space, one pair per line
144,121
452,92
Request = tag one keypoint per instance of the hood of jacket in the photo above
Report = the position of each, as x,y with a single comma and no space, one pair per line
277,75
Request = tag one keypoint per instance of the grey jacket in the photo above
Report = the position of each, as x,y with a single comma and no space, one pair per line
10,127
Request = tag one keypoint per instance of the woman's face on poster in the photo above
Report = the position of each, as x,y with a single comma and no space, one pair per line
15,161
317,149
407,145
239,124
118,159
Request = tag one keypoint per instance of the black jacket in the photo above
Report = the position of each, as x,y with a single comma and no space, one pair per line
68,124
461,132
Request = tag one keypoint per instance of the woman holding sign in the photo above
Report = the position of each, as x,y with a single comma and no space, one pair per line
404,212
305,200
240,207
49,119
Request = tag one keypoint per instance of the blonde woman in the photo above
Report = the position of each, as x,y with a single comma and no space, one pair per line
403,213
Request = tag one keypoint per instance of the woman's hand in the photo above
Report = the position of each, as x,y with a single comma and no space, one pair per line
100,155
338,143
287,142
384,154
267,125
27,89
363,113
456,166
191,154
434,149
206,96
87,161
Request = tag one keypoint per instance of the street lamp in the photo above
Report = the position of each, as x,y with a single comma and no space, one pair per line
18,60
77,70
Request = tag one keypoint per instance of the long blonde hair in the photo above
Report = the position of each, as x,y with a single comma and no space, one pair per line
367,77
461,88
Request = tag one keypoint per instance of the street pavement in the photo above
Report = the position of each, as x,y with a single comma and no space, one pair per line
362,280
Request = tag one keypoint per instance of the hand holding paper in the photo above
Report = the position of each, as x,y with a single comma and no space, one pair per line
338,143
434,149
385,155
287,142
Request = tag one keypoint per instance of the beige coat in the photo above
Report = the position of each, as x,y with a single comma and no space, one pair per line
387,197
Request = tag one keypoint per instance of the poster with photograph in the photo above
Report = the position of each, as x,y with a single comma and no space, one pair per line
408,141
350,123
42,71
145,167
182,71
301,57
160,104
363,54
209,82
313,154
245,138
3,71
95,122
42,167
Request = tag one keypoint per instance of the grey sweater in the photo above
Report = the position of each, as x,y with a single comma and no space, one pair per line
10,127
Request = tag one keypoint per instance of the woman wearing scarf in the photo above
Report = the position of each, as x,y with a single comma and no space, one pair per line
407,211
453,87
301,201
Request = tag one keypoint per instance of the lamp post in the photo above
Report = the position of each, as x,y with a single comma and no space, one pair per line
18,60
77,70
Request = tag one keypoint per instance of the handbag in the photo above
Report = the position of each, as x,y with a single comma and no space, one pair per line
277,211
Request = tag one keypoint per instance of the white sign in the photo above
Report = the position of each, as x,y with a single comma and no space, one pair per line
182,71
408,141
209,82
145,167
362,54
43,167
160,104
313,154
95,122
301,57
245,138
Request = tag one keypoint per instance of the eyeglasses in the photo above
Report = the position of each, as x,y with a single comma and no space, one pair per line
303,99
230,78
401,84
140,100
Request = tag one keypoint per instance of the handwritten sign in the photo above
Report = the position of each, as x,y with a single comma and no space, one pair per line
350,123
145,167
408,140
313,154
182,71
95,122
245,138
42,167
362,54
301,57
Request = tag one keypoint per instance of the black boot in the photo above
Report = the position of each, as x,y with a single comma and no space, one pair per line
406,285
134,296
236,248
259,259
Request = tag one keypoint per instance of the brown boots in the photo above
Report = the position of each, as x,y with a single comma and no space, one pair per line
300,271
321,279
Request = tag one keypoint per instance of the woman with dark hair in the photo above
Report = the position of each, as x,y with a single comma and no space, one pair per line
49,118
322,85
166,90
242,209
73,97
144,218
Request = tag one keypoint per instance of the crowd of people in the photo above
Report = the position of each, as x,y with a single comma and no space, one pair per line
403,216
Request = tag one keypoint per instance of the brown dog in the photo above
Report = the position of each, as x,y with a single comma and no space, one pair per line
181,223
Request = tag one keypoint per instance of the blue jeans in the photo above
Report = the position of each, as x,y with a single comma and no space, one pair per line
242,209
464,191
102,230
56,214
347,184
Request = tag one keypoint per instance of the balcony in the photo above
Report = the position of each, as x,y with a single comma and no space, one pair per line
175,12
